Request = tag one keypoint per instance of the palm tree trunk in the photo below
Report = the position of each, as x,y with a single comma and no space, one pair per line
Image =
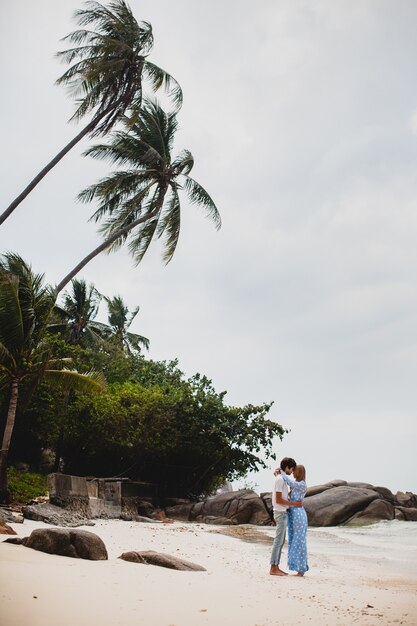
51,165
106,244
7,436
60,442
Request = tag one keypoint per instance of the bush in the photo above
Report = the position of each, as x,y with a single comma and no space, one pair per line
24,486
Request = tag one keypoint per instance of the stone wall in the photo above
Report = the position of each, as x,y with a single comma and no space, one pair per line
99,497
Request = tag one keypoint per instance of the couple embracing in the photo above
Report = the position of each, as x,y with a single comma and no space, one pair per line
287,503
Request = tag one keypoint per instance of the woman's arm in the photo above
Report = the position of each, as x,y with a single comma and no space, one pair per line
290,481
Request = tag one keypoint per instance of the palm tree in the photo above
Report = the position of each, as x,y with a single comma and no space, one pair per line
143,200
119,323
109,64
26,306
79,310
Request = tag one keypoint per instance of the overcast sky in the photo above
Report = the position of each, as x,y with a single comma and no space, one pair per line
302,119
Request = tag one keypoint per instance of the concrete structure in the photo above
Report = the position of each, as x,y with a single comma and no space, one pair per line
100,497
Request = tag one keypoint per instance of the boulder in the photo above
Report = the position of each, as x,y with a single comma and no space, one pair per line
137,507
216,521
406,499
78,544
9,515
336,505
239,507
375,511
407,513
180,512
162,560
15,540
5,529
55,515
267,500
360,485
385,493
316,489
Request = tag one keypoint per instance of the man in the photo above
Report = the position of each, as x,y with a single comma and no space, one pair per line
280,504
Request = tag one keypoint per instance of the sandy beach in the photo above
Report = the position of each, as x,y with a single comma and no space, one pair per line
355,577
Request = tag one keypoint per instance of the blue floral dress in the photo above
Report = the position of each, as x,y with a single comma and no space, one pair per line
297,527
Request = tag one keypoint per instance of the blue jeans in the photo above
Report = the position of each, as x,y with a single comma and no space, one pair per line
281,520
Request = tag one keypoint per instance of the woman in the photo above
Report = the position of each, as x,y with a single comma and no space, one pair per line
297,522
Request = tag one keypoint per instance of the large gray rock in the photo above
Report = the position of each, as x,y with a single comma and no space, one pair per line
78,544
136,506
180,512
240,507
336,505
406,499
162,560
375,511
9,516
406,513
385,493
360,485
55,515
316,489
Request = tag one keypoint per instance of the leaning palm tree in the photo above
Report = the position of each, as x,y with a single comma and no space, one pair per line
107,68
26,306
119,323
143,200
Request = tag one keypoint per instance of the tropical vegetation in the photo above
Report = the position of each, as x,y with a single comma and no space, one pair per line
150,423
26,358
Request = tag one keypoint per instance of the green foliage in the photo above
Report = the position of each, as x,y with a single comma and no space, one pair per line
26,357
179,435
24,486
151,423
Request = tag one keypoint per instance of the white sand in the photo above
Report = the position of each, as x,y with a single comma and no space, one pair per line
346,584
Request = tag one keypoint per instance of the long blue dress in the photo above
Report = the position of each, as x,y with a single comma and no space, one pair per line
297,527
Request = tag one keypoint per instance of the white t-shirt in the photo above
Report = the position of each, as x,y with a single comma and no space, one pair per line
281,486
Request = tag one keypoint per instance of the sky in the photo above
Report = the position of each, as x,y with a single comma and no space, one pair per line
302,119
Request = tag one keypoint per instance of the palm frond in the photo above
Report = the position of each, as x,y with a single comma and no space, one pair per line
170,224
184,162
138,341
158,78
156,127
66,380
132,316
199,196
6,355
12,327
140,241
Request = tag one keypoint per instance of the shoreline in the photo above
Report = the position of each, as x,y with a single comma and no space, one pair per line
349,582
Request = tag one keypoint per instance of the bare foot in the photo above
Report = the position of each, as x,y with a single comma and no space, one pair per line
275,571
299,574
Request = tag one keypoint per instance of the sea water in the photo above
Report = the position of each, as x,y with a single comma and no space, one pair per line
393,542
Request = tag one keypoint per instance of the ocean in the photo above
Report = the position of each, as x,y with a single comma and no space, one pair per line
393,542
